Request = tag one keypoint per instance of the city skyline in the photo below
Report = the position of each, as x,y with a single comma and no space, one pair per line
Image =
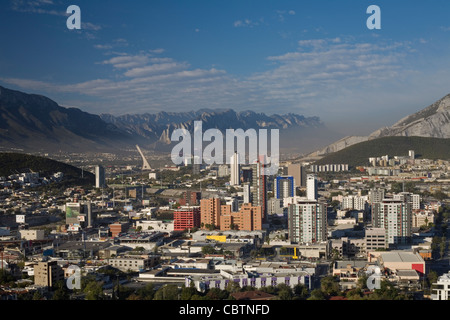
315,59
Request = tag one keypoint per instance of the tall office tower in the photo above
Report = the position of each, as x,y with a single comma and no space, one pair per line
99,177
284,187
234,168
247,193
395,216
299,173
210,213
412,154
259,186
307,221
311,187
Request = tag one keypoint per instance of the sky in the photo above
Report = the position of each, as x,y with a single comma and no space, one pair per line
314,58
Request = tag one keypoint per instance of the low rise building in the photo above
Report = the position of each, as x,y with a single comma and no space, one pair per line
402,260
134,262
32,234
441,289
255,280
48,273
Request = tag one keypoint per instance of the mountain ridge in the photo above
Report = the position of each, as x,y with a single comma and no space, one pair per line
430,122
34,122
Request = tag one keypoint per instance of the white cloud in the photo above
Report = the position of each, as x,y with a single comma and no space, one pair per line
36,6
157,68
246,23
128,61
324,77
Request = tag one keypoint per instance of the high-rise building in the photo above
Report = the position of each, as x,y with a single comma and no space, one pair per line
99,177
246,174
210,213
248,218
395,216
354,202
186,218
414,199
307,221
299,173
259,186
247,193
234,168
311,187
376,195
284,187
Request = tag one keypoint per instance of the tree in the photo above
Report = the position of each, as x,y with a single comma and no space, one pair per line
354,294
168,292
300,291
285,292
94,290
188,292
61,292
439,195
147,292
432,277
217,294
317,294
208,249
329,285
442,246
37,295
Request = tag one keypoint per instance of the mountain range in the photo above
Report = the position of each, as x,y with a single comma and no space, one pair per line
35,123
430,122
32,123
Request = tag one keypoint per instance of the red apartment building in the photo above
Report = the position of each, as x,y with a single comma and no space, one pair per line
186,218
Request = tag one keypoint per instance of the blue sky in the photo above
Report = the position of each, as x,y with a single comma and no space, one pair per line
315,58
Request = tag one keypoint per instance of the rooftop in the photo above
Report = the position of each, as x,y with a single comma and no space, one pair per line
398,256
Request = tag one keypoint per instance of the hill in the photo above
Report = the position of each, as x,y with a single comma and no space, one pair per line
430,122
12,163
359,154
33,122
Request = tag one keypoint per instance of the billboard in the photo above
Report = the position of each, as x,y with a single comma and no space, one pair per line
72,212
20,218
